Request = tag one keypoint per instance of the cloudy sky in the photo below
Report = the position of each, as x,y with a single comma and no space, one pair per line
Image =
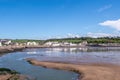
42,19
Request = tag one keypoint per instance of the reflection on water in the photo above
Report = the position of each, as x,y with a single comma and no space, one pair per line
31,52
66,50
80,55
85,49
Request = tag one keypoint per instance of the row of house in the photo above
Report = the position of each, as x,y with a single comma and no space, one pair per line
27,44
5,42
55,44
51,44
9,42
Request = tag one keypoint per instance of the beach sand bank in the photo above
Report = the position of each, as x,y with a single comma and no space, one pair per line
85,71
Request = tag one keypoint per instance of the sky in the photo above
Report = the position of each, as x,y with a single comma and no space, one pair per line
43,19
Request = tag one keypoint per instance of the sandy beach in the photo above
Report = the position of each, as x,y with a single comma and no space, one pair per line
86,72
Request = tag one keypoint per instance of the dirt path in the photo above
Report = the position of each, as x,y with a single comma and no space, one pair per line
87,72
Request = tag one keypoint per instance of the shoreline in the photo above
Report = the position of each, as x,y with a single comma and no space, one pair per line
86,72
7,49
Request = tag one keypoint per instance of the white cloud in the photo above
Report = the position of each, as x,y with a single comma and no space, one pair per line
73,35
112,23
69,35
89,34
95,35
104,8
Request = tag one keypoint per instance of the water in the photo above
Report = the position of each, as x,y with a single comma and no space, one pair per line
109,55
15,61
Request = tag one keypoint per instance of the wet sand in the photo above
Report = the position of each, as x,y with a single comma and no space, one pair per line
85,71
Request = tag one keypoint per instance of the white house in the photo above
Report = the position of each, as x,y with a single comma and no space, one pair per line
68,44
84,43
32,43
72,44
56,44
65,44
48,43
17,44
6,42
0,44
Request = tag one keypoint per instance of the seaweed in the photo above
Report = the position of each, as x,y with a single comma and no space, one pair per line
7,71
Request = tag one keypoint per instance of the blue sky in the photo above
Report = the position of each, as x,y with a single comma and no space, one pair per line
42,19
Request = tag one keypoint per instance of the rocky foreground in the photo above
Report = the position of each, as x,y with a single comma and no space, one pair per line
7,49
13,77
7,74
87,72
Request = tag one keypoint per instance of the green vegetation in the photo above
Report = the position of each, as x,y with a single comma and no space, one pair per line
89,40
7,71
14,75
74,40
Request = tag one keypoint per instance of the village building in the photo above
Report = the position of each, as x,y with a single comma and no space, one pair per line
0,44
55,44
32,44
72,44
48,43
65,44
8,42
84,43
5,42
16,44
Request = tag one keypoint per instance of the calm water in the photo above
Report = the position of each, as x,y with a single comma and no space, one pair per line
16,60
109,55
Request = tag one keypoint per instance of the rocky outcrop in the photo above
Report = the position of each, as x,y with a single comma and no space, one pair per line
7,74
6,49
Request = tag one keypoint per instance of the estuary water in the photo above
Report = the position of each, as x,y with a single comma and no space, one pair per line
97,55
16,60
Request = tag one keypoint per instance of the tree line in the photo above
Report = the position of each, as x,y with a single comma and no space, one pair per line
74,40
